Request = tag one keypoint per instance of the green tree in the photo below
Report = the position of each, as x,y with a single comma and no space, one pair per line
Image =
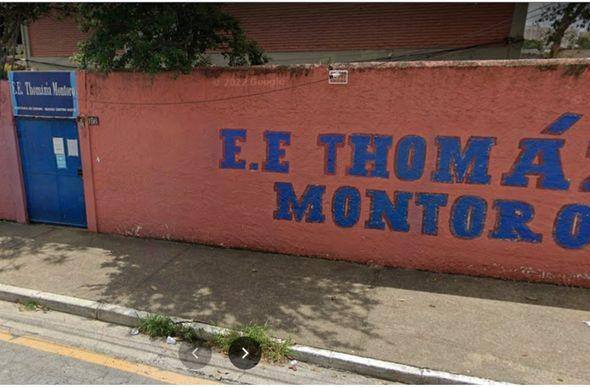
12,16
563,16
533,44
155,37
583,42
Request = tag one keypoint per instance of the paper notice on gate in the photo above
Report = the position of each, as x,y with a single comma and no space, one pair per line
58,146
72,148
61,161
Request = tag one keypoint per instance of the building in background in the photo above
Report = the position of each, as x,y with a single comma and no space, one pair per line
321,33
575,42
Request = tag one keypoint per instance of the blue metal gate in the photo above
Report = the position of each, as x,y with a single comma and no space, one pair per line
52,170
45,107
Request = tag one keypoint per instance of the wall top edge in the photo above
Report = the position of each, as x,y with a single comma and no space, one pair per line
294,69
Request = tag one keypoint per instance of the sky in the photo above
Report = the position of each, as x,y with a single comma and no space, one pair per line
534,12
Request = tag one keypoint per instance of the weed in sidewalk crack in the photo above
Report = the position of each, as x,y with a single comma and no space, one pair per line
31,306
272,349
155,325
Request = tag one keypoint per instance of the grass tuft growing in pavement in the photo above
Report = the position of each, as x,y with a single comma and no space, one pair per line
272,349
30,306
188,334
156,325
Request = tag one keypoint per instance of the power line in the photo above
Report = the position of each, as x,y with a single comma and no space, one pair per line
430,53
206,100
468,48
190,102
255,94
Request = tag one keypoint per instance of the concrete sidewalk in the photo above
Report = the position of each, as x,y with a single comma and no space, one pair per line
508,331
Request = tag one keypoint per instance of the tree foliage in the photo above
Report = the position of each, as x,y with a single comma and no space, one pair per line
12,16
563,16
155,37
533,44
583,42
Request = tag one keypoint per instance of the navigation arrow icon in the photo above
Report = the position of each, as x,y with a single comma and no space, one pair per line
244,353
195,353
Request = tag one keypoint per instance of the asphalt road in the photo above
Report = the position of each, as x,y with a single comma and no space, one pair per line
23,365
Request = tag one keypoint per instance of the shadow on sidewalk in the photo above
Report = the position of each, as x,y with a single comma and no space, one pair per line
307,296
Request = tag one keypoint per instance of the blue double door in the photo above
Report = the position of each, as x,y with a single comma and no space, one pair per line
52,170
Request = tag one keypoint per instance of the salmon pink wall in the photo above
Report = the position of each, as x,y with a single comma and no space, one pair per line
162,166
12,205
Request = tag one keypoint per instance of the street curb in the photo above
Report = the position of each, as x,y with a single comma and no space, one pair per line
130,317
